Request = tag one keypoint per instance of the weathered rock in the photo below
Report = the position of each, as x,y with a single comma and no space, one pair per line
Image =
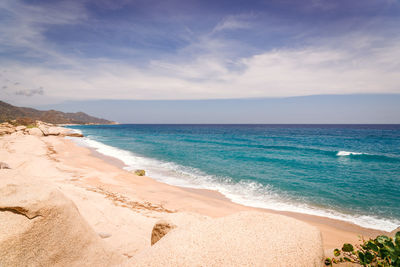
18,133
73,134
20,128
6,124
160,229
242,239
54,130
41,227
44,129
4,165
6,130
140,172
34,131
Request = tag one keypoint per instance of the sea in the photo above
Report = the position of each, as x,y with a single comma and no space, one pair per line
345,172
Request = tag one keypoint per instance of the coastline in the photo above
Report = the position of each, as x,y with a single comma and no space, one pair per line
122,208
334,232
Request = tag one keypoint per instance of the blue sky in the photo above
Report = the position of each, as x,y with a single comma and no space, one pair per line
55,51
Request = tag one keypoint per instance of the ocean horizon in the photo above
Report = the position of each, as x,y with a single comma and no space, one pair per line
347,172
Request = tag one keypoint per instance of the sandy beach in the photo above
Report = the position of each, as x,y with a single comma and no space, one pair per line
123,207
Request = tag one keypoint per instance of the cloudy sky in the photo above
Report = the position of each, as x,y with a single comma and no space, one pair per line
162,50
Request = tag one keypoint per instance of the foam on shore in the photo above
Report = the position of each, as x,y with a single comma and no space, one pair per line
247,193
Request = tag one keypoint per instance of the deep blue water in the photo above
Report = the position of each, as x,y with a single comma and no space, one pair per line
350,172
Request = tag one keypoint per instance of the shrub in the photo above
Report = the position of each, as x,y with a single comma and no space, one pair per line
382,251
25,121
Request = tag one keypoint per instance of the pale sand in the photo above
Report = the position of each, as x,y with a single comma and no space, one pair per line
123,206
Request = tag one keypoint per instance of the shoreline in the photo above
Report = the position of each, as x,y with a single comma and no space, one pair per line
329,227
175,174
123,208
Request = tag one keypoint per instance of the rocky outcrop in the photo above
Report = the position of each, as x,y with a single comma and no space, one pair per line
40,129
160,229
41,227
242,239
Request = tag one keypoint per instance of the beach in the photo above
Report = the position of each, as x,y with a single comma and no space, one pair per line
123,206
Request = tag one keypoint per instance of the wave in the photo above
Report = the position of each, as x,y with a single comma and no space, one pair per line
348,153
244,192
368,157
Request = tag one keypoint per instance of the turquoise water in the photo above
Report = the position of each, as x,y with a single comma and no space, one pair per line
347,172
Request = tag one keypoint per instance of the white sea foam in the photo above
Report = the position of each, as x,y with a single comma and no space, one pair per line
248,193
348,153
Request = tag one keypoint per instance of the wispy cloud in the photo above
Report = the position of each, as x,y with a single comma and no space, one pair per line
30,92
234,22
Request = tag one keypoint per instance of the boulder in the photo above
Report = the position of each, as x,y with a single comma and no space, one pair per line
242,239
44,129
140,172
18,133
20,128
54,130
160,229
6,130
41,227
4,165
35,131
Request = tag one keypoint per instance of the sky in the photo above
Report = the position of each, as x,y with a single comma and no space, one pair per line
316,109
82,50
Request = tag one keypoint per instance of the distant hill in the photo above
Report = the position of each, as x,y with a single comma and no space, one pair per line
10,112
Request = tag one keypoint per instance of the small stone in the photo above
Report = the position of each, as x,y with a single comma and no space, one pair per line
4,165
104,235
140,172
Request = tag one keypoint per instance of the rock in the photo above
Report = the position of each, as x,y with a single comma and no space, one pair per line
7,124
140,172
6,129
20,128
41,227
34,131
73,134
43,128
4,165
18,133
104,235
54,130
160,229
242,239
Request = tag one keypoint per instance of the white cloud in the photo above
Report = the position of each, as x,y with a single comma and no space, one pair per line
204,69
278,73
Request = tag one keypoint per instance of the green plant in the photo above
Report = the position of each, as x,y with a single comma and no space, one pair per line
382,251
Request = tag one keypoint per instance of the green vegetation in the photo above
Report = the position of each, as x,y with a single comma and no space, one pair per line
382,251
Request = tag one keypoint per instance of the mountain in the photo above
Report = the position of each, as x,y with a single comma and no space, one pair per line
10,112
